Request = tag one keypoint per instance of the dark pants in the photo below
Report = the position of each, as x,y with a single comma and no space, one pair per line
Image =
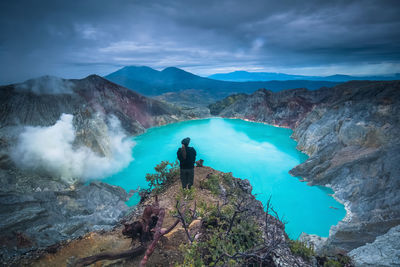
187,177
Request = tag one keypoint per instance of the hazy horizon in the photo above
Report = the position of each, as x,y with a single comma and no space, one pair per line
205,76
73,39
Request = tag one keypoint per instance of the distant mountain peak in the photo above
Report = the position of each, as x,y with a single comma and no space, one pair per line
172,69
175,70
152,82
134,67
245,76
94,76
239,71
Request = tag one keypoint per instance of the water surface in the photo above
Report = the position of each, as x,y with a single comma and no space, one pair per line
261,153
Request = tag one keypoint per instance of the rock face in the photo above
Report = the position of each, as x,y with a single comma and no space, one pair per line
384,251
285,108
21,105
46,216
37,209
192,102
351,134
354,147
315,241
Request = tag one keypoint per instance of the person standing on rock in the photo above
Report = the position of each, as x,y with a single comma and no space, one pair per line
187,158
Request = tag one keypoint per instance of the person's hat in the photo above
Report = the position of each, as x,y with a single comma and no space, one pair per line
186,141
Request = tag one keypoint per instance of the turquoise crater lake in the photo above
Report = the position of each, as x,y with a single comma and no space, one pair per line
261,153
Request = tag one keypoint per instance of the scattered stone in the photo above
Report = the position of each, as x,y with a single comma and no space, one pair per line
314,241
199,163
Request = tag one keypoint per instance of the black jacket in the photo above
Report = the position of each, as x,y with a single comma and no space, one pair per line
187,163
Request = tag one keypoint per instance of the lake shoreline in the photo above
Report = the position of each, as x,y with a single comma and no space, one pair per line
206,121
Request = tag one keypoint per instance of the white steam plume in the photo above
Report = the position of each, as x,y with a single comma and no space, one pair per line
46,85
50,149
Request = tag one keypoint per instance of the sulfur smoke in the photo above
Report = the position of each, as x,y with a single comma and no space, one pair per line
46,85
50,150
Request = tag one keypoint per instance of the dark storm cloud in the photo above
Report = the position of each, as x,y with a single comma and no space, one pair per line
76,38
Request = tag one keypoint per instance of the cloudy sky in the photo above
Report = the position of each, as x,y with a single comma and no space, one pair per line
79,37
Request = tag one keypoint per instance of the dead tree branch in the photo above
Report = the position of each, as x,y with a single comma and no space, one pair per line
148,230
238,209
157,235
111,256
182,219
263,251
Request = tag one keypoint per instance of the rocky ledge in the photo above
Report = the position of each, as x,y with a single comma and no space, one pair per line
350,133
169,250
54,212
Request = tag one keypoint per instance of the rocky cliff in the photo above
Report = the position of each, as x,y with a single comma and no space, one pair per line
350,133
25,104
284,108
51,130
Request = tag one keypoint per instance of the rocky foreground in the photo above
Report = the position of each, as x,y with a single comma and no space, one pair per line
170,250
41,207
351,133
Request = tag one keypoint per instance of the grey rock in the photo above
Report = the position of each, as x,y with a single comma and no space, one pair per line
285,108
314,241
24,216
384,251
351,134
356,161
48,217
245,185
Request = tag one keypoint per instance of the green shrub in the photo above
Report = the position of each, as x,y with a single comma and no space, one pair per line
301,249
215,240
182,198
332,263
227,178
338,260
166,173
211,183
186,194
192,255
201,208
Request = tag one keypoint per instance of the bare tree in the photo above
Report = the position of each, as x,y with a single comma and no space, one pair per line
262,252
182,218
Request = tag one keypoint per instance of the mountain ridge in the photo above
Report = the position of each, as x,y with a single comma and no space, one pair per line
151,82
243,76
